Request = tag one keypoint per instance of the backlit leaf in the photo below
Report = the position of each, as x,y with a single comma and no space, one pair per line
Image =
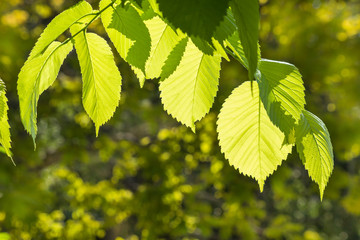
246,14
163,40
282,92
129,34
4,124
60,24
189,92
315,150
248,138
101,78
37,75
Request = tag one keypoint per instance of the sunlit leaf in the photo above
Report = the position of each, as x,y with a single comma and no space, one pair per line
282,92
37,75
101,78
129,34
163,40
315,150
4,124
246,14
174,58
248,138
189,92
60,24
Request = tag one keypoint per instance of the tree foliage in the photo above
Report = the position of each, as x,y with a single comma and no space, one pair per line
168,39
148,177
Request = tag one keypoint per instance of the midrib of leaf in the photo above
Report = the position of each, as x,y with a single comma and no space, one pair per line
93,80
195,84
41,52
157,44
318,150
34,94
259,141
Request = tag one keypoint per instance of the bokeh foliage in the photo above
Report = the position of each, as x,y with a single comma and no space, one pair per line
146,177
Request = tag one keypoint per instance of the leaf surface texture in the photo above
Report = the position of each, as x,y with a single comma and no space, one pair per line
315,150
37,75
282,92
189,92
248,138
101,78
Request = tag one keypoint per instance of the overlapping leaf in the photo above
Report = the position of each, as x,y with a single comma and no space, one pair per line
282,92
315,150
174,58
129,34
35,77
188,93
59,25
101,78
163,40
246,14
4,124
248,138
196,18
234,44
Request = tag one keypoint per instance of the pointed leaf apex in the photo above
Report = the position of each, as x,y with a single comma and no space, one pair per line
321,189
142,82
34,142
12,160
193,128
97,127
261,185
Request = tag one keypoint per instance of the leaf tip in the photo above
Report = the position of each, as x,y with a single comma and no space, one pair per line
12,160
261,185
193,128
322,189
97,128
34,142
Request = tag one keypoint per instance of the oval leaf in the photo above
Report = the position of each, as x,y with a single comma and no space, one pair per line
37,75
282,92
315,150
246,14
4,124
101,78
129,35
189,92
248,138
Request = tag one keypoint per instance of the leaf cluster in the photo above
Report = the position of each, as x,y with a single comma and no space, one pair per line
182,43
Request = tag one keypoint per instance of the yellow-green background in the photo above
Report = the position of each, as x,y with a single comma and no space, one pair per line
147,177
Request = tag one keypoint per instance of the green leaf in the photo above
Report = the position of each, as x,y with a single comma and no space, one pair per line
174,58
163,40
233,42
246,14
129,34
248,138
4,124
60,24
196,18
189,92
226,28
37,75
315,150
282,92
101,78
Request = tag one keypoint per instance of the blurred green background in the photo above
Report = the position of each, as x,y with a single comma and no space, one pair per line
147,177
